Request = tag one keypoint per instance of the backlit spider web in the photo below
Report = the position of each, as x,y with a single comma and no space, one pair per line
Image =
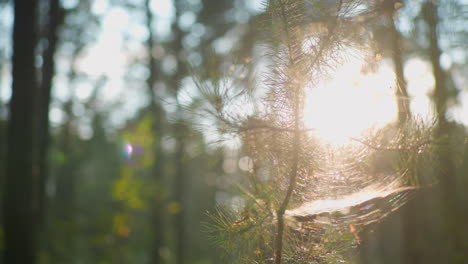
355,184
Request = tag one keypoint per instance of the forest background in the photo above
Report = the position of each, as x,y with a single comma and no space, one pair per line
105,158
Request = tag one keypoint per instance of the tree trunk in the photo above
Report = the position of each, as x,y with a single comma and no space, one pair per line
180,194
20,193
65,194
48,71
401,92
63,206
157,168
297,106
452,210
410,225
180,131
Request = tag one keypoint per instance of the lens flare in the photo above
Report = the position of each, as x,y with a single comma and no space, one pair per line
129,149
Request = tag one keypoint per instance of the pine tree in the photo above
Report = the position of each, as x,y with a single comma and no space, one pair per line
288,167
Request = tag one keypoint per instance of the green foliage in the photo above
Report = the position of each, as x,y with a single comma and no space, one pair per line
128,189
116,194
290,167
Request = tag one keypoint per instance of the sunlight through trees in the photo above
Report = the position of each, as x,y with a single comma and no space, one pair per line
233,131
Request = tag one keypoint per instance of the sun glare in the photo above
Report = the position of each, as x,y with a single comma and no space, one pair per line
350,102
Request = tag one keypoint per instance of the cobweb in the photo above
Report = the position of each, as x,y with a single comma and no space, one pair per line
355,184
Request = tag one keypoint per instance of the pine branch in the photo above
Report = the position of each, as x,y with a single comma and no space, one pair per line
276,139
329,36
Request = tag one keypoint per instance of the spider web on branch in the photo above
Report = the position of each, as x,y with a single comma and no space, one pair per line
364,181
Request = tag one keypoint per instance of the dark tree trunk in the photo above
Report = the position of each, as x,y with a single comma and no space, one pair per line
48,71
152,63
19,209
157,168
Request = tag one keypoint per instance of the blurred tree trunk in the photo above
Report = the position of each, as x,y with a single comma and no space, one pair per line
382,244
20,223
180,192
3,132
180,132
401,92
440,90
65,181
64,201
157,167
61,226
48,71
391,40
410,226
452,210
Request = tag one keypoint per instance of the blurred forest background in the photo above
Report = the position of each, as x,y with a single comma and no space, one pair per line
103,161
